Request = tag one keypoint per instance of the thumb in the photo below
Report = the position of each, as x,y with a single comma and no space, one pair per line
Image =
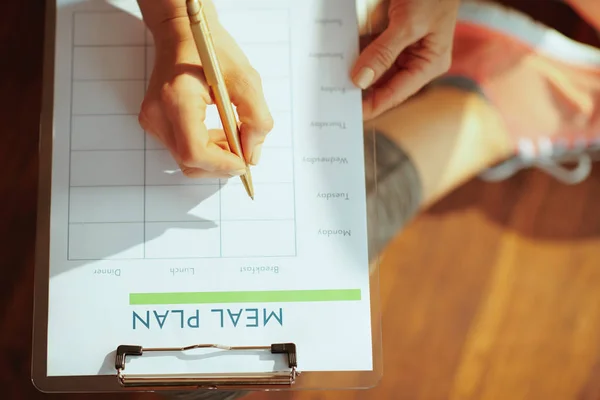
379,56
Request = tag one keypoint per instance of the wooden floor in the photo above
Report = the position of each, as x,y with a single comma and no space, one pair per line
492,294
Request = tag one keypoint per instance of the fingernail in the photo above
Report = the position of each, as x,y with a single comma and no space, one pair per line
256,154
364,78
239,172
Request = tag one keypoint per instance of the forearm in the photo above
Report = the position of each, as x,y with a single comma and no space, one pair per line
158,12
168,21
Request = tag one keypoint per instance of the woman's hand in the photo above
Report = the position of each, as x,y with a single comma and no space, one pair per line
414,47
174,108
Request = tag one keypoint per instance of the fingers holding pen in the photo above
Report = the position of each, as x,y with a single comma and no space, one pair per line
246,92
255,119
174,112
177,98
194,146
217,145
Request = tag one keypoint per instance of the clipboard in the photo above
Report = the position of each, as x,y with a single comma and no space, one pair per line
293,377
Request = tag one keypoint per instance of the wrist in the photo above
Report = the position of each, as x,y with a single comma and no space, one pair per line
168,21
171,34
165,19
155,12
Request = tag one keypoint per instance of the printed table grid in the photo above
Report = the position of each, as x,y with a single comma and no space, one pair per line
127,199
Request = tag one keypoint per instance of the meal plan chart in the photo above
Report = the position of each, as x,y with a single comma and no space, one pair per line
141,254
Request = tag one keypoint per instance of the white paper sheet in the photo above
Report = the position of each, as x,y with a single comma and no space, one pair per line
126,228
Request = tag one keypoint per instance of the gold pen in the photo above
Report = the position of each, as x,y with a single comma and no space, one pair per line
214,78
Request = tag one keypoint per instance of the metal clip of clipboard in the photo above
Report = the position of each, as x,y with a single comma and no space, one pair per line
208,381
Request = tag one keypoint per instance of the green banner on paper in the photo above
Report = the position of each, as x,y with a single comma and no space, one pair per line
280,296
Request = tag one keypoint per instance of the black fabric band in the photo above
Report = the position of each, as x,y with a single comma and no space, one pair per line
394,190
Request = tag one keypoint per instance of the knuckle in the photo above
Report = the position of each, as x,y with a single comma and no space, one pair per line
187,172
171,91
396,10
408,30
416,31
191,156
144,118
149,113
244,81
268,124
383,54
168,93
384,99
223,168
254,76
387,96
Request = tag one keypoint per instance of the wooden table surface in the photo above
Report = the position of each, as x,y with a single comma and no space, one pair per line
494,293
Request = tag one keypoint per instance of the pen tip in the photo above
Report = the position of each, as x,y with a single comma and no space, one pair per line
248,186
